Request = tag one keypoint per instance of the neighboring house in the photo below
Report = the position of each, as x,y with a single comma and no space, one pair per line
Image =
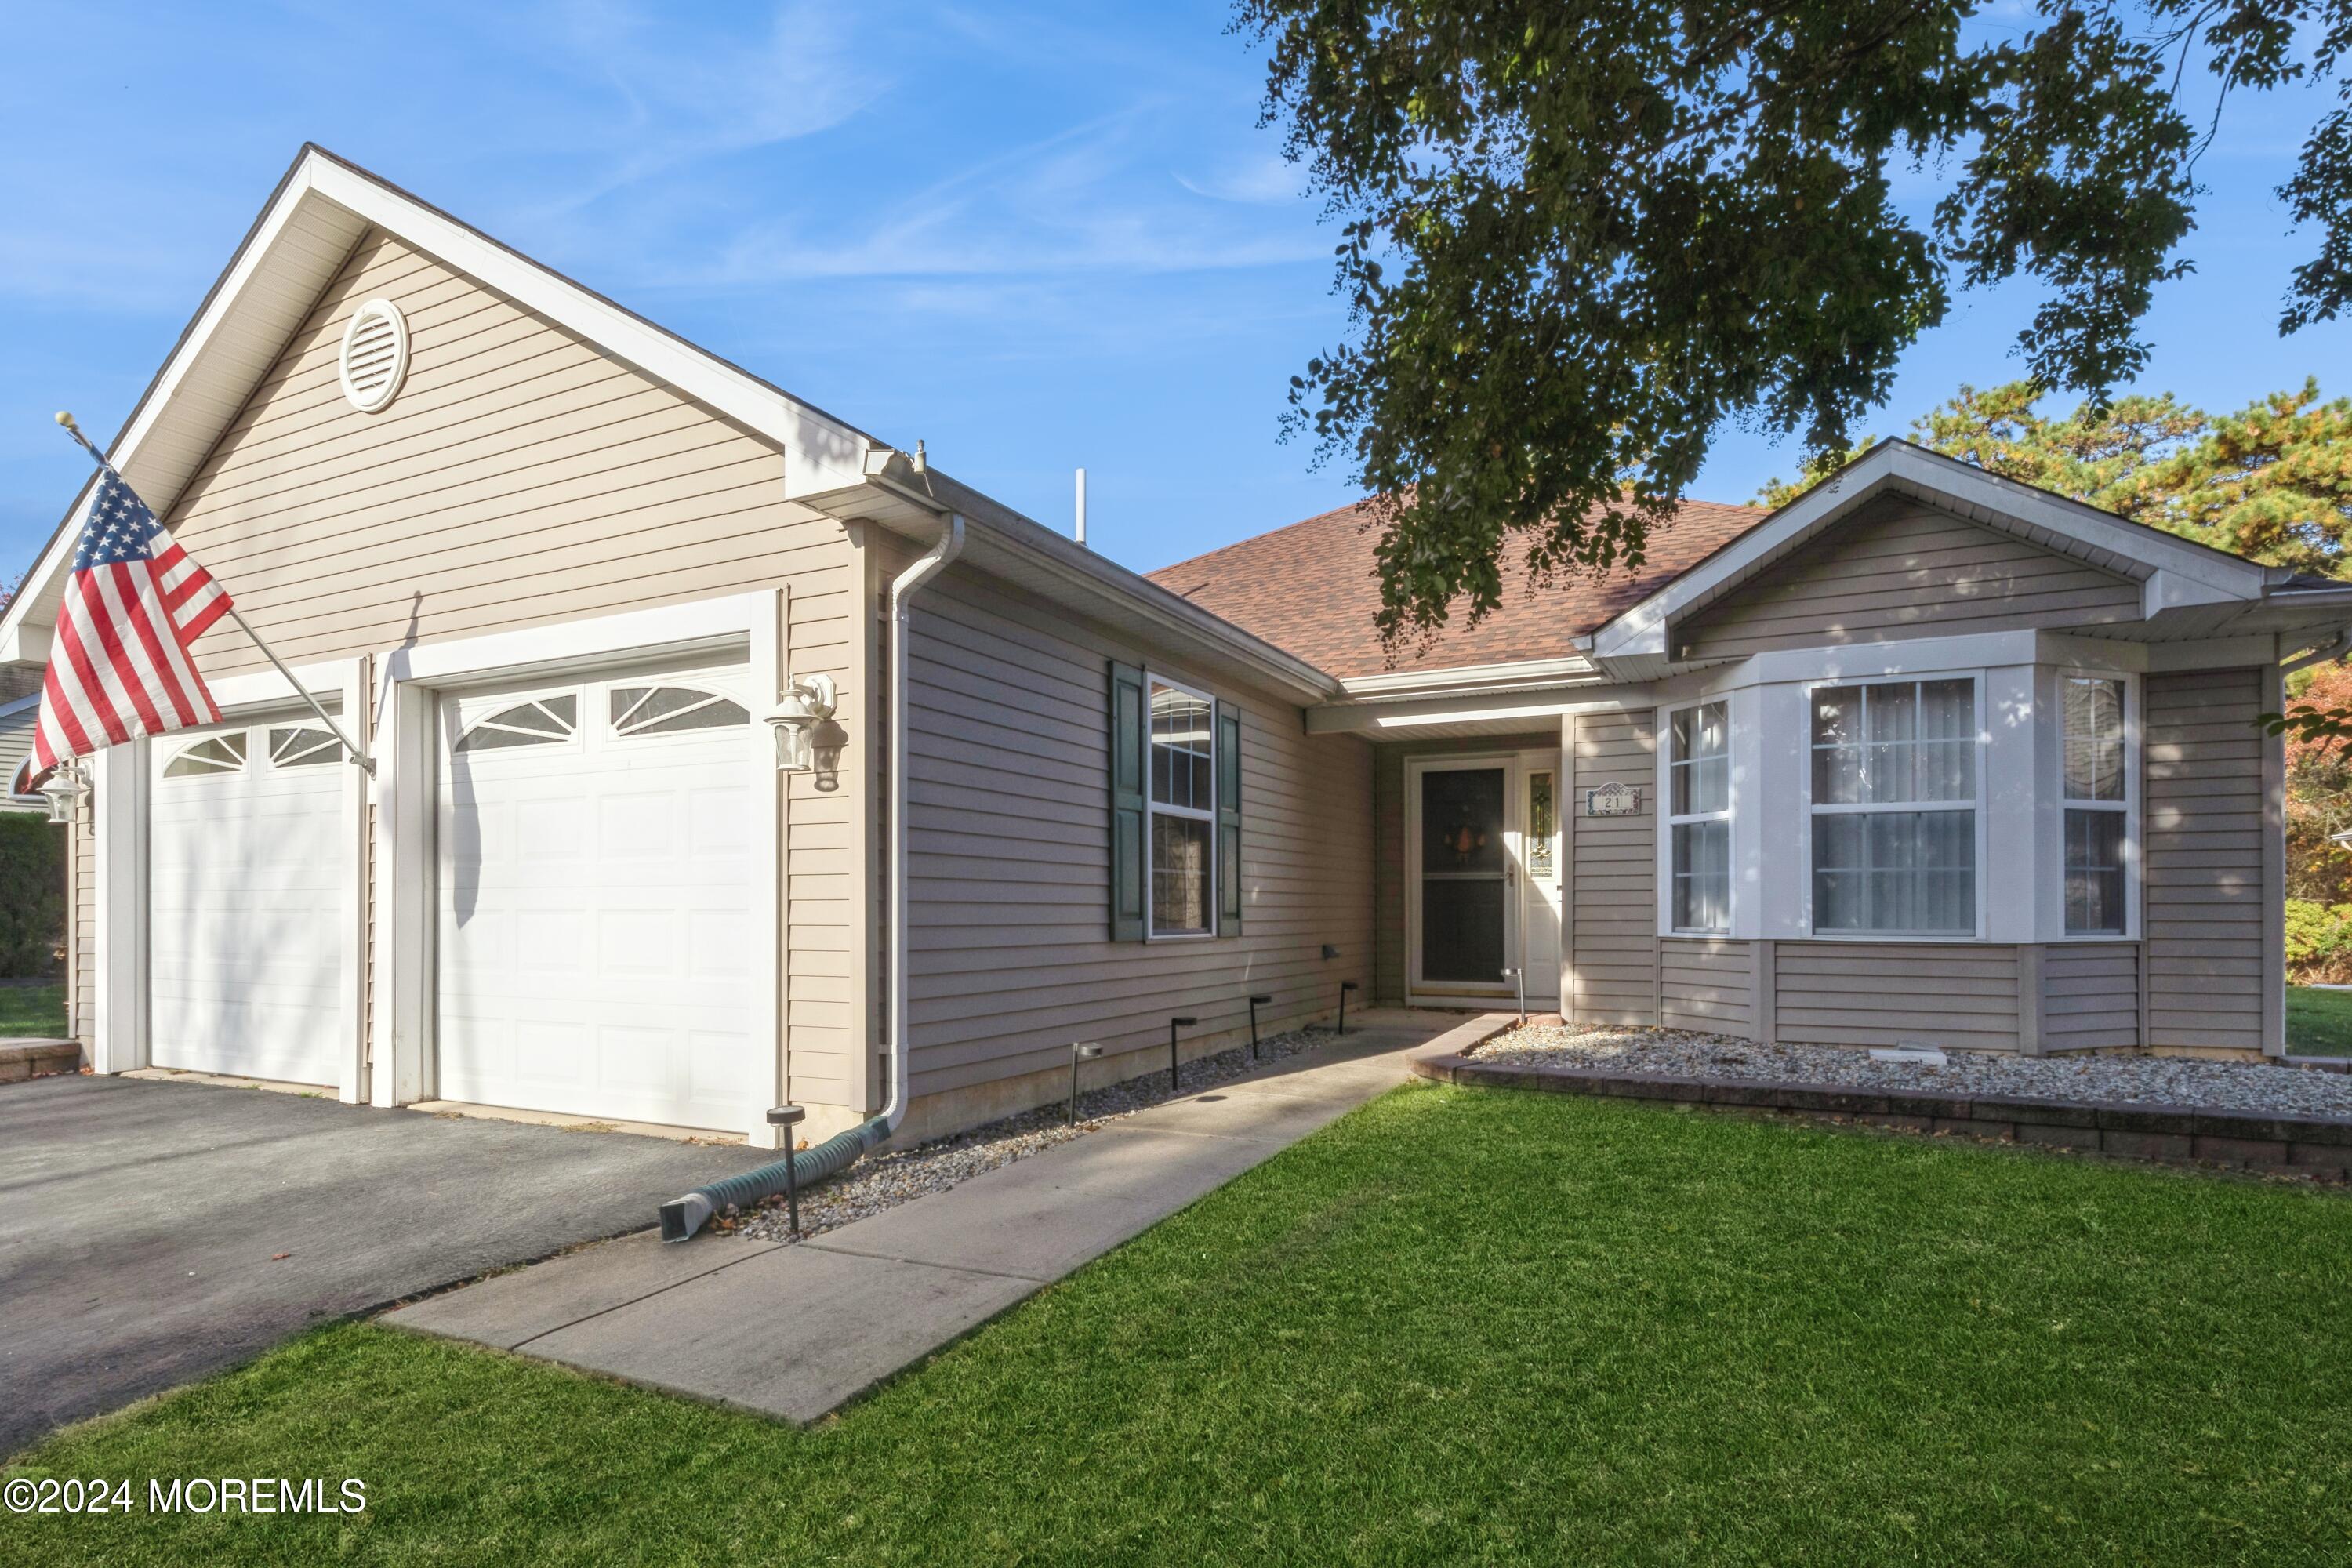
16,716
1943,757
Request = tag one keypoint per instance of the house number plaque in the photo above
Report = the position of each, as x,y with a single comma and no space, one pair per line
1612,800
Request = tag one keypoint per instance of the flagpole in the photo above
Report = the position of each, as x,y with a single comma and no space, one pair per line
366,763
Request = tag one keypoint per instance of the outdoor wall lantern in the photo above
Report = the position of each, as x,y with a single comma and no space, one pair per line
63,789
808,702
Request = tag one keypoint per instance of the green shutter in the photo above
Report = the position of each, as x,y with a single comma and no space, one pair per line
1130,738
1229,819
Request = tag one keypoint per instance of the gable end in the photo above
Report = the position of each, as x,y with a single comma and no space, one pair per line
1900,568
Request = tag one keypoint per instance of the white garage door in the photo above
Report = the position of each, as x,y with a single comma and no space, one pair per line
596,895
246,875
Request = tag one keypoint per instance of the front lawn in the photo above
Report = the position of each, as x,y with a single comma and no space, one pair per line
2318,1023
38,1011
1458,1326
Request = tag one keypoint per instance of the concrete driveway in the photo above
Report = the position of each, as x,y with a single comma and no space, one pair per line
140,1224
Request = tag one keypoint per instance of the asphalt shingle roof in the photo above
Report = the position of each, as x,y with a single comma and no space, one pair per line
1311,589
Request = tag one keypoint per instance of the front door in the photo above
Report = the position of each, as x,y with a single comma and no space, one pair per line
1464,882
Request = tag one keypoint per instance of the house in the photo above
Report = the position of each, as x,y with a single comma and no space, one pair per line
17,712
1924,756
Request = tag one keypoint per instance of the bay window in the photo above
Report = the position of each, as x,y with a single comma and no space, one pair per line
1698,787
1894,810
1183,807
2094,766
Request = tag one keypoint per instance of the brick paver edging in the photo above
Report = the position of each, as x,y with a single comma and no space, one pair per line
2314,1146
21,1059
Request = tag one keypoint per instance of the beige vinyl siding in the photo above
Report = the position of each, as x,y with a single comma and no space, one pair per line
1391,956
2207,828
520,479
1009,957
1961,997
2090,995
1901,569
523,479
1613,894
1704,984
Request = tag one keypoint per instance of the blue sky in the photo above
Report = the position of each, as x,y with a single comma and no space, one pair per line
1035,237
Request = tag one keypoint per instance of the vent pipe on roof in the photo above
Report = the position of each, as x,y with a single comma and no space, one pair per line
1082,506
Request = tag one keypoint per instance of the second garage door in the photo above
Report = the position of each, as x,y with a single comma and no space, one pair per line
596,901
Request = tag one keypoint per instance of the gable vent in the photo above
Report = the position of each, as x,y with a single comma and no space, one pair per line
375,355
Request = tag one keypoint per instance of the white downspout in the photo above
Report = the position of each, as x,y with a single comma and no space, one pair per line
949,546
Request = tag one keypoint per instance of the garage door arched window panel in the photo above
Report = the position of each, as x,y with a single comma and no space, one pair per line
672,710
301,746
214,754
543,721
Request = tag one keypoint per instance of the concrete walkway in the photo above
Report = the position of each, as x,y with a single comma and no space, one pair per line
793,1330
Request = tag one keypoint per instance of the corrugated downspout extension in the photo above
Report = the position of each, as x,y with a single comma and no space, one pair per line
681,1217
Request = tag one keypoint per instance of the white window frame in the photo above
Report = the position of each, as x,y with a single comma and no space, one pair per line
1674,819
2127,807
1976,803
1152,806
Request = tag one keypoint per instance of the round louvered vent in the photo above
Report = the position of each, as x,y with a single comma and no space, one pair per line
375,355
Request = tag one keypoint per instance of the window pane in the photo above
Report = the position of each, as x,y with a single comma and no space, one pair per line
1837,716
1180,874
1890,713
1895,871
668,709
302,746
1837,754
2095,739
1702,876
2094,872
1182,749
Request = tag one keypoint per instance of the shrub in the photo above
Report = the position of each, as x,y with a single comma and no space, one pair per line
2318,943
32,894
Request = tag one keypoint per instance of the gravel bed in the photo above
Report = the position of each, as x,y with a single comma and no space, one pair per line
886,1181
2142,1080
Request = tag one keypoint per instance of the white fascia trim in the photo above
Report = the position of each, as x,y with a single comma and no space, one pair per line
11,709
667,628
2185,573
1470,678
1348,718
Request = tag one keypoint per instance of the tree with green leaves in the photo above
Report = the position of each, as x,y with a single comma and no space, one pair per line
1578,236
2272,482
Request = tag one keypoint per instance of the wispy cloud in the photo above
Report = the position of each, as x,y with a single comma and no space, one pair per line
1084,199
671,99
1258,182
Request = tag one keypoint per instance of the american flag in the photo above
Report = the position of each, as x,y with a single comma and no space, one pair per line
120,665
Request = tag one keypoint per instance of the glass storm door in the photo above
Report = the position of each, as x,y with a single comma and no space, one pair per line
1466,876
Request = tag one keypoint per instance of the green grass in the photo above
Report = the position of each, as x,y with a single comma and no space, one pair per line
1458,1326
2318,1023
34,1010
